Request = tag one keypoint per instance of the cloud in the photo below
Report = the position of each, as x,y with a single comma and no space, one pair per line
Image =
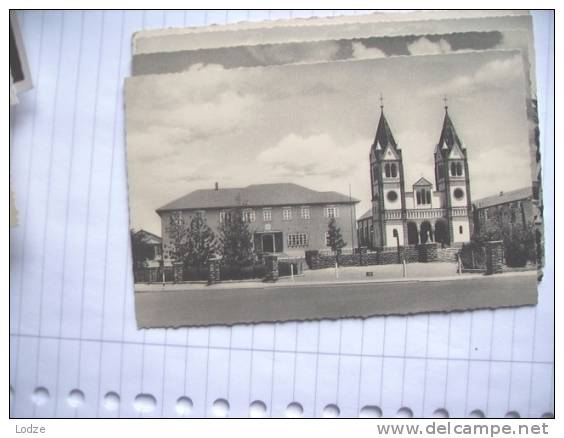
163,131
424,46
360,51
495,74
290,53
298,156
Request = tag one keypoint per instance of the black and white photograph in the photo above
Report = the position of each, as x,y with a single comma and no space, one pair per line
282,213
359,172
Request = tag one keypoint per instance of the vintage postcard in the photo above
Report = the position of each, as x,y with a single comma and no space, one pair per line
325,28
332,189
298,41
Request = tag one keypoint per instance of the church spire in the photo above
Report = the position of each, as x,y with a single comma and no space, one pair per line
448,137
384,136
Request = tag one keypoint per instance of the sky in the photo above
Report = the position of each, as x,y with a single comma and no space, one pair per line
313,124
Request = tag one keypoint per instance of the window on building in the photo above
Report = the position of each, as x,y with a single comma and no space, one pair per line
456,169
392,195
391,170
331,211
305,212
201,213
460,229
248,215
297,240
423,197
267,214
327,243
221,217
441,171
287,213
458,193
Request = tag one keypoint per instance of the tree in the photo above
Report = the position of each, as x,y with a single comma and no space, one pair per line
334,238
141,251
178,233
201,243
236,240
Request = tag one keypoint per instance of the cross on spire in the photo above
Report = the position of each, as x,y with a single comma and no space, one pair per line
381,101
446,102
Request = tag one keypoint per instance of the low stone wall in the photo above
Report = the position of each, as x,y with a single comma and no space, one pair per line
447,254
383,256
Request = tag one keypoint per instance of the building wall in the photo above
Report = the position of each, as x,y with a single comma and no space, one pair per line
461,202
504,216
390,226
315,227
458,222
395,204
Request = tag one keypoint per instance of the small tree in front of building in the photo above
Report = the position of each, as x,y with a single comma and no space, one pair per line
334,238
178,232
236,241
201,243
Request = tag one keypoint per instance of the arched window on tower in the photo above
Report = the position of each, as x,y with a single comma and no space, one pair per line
394,170
423,197
440,171
387,171
456,169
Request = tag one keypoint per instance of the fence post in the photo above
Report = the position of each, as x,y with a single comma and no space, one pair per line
214,274
494,257
271,262
178,271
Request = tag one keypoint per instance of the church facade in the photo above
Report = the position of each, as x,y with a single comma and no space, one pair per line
422,212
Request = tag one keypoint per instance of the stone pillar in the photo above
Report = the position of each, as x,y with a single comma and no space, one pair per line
178,271
494,257
214,274
271,262
362,255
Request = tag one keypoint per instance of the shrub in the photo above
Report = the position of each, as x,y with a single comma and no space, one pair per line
309,254
196,273
519,248
472,255
519,245
242,272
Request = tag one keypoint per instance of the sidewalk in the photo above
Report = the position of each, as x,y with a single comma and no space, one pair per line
416,272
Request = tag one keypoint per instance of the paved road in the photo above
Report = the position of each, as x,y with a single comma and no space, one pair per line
212,305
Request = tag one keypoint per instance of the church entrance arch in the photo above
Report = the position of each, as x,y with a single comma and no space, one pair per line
412,233
426,232
441,232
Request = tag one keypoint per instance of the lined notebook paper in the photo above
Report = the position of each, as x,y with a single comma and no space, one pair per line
75,348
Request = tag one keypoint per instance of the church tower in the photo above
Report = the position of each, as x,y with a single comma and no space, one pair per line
453,181
388,189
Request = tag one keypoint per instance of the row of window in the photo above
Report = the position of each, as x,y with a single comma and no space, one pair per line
391,170
249,214
300,240
423,196
512,209
456,169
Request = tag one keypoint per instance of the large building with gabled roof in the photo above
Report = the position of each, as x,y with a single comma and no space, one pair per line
284,218
423,212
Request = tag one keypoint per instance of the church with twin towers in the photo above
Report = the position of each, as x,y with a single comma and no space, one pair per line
422,212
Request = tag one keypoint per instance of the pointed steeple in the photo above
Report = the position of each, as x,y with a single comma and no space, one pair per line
384,136
449,137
